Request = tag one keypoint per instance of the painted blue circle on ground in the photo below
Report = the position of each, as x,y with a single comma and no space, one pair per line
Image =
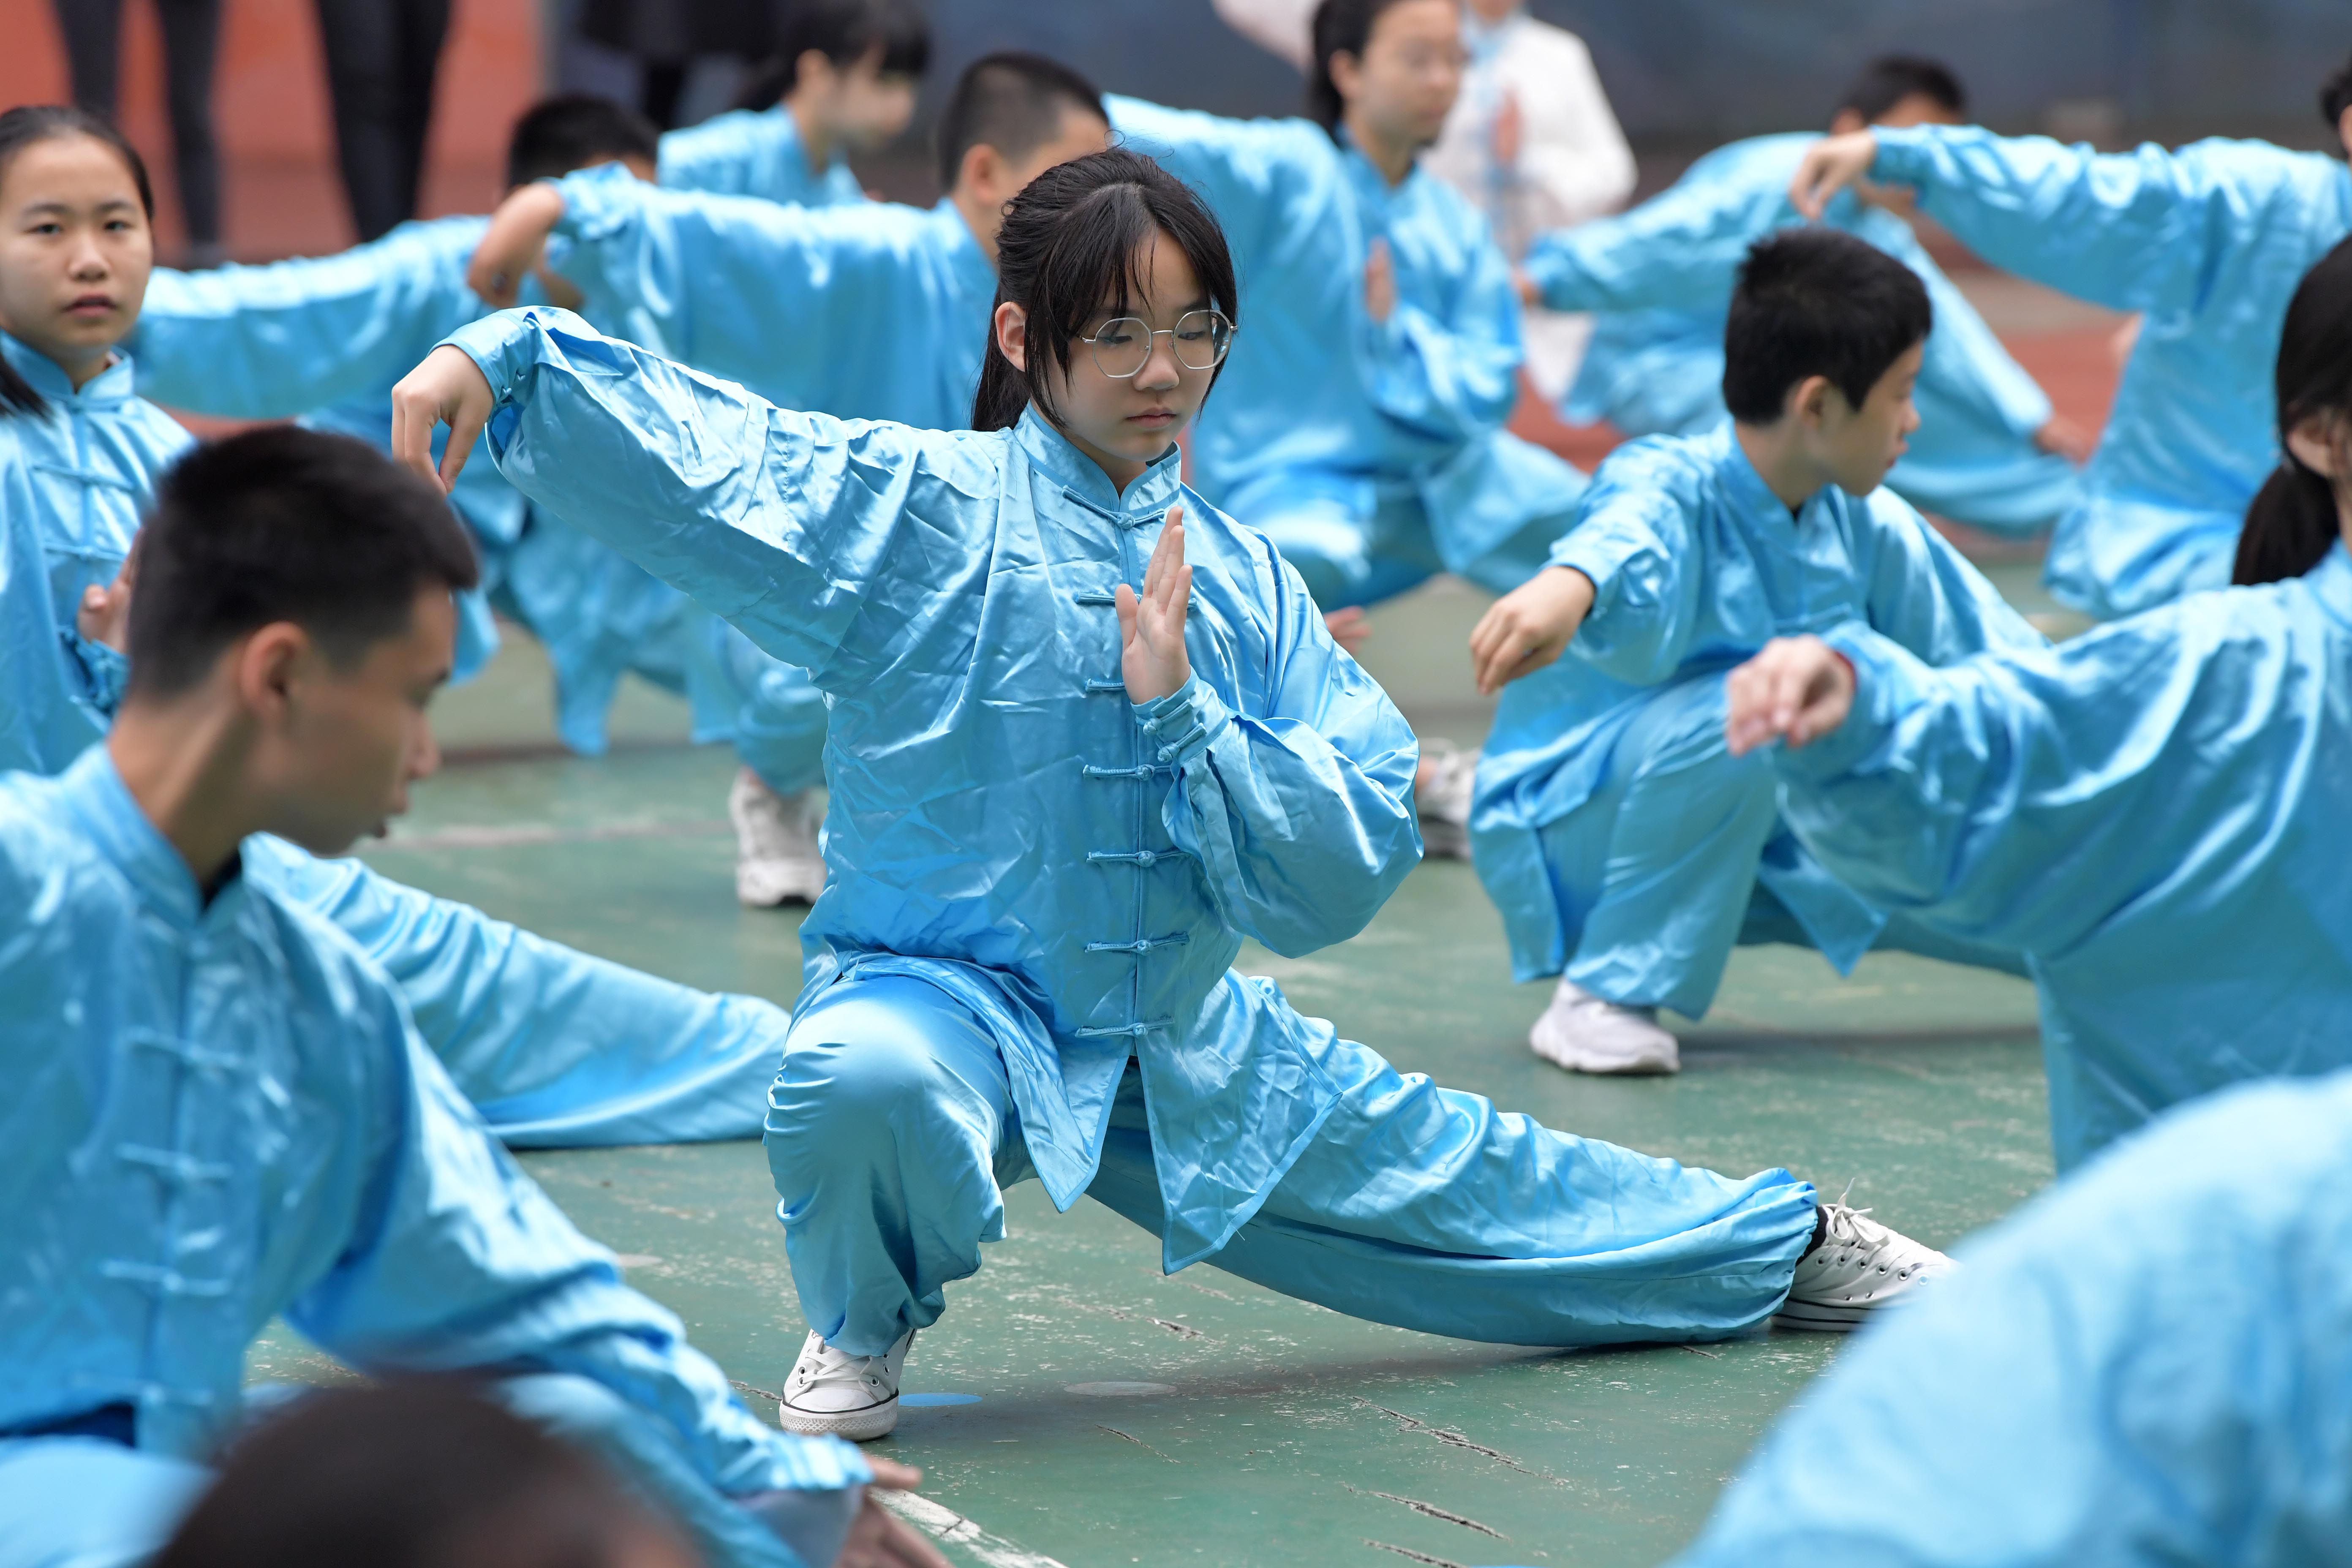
921,1400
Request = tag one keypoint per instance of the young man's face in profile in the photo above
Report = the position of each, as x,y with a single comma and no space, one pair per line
1858,445
355,737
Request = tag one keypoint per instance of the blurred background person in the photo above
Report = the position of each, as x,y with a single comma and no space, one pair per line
665,37
93,31
1531,140
382,58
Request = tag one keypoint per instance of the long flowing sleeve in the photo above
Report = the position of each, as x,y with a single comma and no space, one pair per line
788,525
2017,797
1679,251
2133,231
774,297
275,341
1301,818
459,1261
555,1047
1632,537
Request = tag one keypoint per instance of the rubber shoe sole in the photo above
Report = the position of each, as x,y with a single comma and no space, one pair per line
856,1426
1813,1317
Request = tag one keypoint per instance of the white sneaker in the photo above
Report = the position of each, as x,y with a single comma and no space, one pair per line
776,859
1443,801
1860,1267
1584,1034
835,1395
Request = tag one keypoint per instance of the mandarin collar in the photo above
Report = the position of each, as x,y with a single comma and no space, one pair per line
1082,478
2331,582
1747,487
108,388
103,805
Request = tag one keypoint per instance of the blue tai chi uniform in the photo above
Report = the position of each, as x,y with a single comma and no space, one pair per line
555,1046
2155,813
1623,843
219,1113
2208,242
325,339
1372,454
754,153
875,310
1022,960
2147,1366
1663,274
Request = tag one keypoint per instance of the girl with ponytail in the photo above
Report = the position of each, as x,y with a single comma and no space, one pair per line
2302,508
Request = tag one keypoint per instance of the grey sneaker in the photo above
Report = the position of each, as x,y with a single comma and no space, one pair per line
1584,1034
1442,799
776,857
1860,1267
832,1394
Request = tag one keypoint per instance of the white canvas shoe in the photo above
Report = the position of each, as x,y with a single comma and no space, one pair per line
1443,799
1584,1034
832,1394
776,859
1860,1267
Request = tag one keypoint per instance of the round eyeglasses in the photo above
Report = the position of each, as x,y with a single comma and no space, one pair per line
1122,345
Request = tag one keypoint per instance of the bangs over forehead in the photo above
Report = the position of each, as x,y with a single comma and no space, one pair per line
1076,249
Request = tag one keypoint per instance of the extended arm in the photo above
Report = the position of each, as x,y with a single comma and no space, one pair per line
459,1262
1300,817
752,152
1924,593
555,1047
275,342
1681,249
783,523
739,287
2133,231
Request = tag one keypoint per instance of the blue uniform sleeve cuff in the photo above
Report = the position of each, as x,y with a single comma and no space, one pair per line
1592,557
107,671
1904,156
1184,723
597,200
1880,685
497,343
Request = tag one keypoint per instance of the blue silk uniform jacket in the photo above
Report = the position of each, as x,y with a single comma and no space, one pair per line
753,152
218,1112
1663,274
1005,824
557,1047
2208,243
1313,386
2154,812
1696,566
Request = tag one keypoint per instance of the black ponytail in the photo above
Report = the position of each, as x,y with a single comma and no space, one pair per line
1067,251
2293,520
19,129
1339,27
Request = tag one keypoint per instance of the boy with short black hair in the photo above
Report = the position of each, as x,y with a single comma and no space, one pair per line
1993,454
220,1109
843,81
1627,848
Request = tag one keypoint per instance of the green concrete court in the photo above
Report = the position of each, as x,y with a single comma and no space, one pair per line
1107,1414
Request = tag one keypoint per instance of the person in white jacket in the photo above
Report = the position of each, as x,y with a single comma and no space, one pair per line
1531,140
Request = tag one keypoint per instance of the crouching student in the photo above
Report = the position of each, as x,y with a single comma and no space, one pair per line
1088,734
2145,1365
554,1046
1627,848
219,1111
2154,813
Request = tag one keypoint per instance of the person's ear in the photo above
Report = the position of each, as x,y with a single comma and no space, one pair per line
1807,402
1011,326
1347,75
1846,121
812,72
2318,444
2343,131
268,664
983,173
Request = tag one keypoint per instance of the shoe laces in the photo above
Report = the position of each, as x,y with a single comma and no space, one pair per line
827,1365
1845,1228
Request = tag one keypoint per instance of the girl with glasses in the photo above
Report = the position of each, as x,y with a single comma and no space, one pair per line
1088,734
